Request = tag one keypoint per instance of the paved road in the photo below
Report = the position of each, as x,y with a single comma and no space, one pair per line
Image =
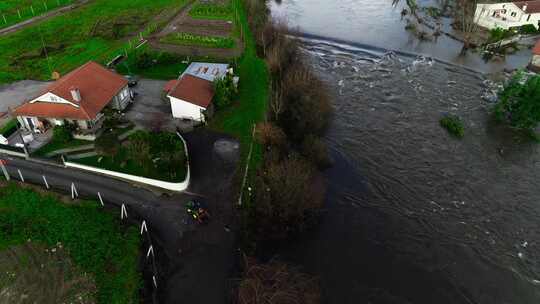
193,262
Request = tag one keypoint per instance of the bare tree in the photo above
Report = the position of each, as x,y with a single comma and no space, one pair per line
465,11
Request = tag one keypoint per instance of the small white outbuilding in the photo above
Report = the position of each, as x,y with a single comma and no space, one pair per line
191,94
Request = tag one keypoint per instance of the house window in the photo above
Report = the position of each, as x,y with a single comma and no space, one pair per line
53,98
513,14
529,17
123,94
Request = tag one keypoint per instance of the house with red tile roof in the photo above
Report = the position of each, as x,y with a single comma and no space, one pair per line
191,94
506,15
79,97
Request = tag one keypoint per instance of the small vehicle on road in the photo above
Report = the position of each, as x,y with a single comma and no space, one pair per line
198,212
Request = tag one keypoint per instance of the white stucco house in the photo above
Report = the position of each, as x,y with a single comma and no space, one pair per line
191,94
79,98
506,15
535,61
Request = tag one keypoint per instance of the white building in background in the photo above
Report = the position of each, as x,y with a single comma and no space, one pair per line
508,14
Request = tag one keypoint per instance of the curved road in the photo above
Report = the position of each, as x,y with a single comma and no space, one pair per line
193,262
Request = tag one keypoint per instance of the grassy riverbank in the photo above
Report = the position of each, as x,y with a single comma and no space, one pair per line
253,97
94,240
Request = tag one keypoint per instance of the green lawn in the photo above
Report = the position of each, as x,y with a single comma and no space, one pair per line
198,40
97,31
9,128
212,11
15,11
93,238
162,71
251,106
155,163
54,145
153,64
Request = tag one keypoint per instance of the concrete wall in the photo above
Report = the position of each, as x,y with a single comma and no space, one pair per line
186,110
178,187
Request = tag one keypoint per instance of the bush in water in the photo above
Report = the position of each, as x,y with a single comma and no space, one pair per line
453,125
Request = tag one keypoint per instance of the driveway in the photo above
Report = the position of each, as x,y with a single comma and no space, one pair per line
149,110
16,93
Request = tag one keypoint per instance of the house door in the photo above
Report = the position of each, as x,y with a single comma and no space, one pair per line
30,123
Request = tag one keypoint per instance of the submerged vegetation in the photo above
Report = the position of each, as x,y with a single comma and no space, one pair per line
453,125
519,102
275,283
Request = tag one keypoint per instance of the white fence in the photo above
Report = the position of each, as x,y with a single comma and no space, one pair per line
178,187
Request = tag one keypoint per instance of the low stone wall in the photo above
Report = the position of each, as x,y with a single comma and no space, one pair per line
178,187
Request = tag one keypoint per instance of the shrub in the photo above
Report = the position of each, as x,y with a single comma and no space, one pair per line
307,108
9,128
276,282
316,151
519,102
528,29
63,133
284,199
143,60
107,144
498,34
224,91
453,125
269,134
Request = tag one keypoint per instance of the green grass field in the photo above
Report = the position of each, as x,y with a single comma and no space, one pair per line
15,11
93,238
98,31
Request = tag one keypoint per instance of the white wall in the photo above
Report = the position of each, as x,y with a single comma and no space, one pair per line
536,60
178,187
186,110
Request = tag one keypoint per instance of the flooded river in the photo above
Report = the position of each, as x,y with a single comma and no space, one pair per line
413,215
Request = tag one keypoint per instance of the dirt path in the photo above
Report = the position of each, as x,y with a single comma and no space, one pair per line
184,23
31,21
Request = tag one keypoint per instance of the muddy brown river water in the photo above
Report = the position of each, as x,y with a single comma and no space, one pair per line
413,215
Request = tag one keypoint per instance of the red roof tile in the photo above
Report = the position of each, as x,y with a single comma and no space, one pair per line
533,6
536,49
194,90
170,85
96,84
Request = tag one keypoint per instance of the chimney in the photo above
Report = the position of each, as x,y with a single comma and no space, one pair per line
76,94
525,7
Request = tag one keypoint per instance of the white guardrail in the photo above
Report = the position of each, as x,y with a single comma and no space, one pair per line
178,187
